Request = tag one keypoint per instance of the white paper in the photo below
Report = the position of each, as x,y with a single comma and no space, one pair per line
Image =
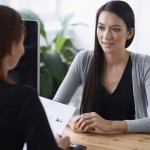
58,114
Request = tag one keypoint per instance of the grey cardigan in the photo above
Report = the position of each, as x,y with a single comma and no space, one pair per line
141,86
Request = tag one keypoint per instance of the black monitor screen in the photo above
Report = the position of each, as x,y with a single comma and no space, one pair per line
27,70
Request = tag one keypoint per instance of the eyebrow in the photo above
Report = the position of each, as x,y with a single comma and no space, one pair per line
115,25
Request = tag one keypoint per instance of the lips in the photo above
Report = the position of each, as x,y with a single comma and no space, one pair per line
107,43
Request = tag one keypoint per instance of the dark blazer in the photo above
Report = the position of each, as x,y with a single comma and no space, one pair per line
23,119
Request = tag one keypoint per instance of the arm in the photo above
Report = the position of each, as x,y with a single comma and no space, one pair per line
141,91
70,83
92,122
35,126
75,77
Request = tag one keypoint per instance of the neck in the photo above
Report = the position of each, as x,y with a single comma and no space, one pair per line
116,59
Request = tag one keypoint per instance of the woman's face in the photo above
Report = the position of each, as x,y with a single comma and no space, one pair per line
112,32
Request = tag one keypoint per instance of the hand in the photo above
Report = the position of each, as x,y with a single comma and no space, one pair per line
63,141
92,122
72,123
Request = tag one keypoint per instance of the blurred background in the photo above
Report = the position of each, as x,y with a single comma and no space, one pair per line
65,36
81,33
51,11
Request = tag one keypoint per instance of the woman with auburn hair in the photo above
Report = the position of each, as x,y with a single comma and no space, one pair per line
22,117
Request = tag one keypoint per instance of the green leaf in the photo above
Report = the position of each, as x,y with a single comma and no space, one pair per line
46,84
59,42
55,65
67,55
44,49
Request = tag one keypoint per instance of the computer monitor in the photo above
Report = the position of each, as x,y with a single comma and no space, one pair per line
28,69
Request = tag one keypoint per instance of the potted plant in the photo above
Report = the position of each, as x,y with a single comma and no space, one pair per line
55,56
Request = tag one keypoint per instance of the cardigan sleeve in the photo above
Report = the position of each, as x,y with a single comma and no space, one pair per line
141,91
75,77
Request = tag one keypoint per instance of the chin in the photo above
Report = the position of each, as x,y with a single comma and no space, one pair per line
108,51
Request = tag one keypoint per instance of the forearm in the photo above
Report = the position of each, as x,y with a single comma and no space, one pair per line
117,127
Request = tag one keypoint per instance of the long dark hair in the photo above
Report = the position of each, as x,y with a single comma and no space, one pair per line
11,30
92,89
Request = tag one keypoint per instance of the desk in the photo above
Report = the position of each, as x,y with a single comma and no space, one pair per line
110,142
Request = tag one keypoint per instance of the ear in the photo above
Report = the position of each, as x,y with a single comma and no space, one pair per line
130,33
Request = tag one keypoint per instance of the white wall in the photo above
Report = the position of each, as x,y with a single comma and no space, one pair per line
85,11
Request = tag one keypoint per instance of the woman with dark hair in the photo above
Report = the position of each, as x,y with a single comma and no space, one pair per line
116,81
22,117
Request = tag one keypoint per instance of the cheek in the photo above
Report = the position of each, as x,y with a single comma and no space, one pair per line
121,39
99,36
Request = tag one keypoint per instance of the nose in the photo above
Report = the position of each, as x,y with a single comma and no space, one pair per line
107,35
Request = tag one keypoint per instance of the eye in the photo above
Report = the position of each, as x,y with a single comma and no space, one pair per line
116,29
100,27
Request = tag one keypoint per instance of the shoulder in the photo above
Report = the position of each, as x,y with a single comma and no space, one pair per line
140,60
83,60
18,94
84,56
24,88
85,53
141,63
143,58
28,96
21,90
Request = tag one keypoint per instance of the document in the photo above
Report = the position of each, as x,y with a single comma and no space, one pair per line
58,114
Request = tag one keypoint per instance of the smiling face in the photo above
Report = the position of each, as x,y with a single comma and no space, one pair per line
112,32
